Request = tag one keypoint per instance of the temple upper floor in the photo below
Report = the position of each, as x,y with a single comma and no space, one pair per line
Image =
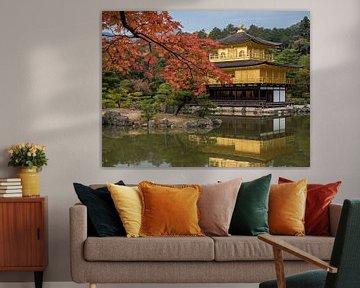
243,46
240,53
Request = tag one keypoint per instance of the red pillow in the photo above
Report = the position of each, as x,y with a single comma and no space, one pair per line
318,200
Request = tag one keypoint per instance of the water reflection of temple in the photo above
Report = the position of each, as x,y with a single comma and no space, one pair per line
246,142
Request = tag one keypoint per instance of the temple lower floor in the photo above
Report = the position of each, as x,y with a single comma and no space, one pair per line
248,95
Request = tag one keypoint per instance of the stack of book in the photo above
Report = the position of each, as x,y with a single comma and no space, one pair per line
10,187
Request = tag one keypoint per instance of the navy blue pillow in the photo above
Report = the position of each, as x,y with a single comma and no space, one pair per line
103,218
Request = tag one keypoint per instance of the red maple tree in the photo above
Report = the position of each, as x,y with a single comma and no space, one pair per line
152,42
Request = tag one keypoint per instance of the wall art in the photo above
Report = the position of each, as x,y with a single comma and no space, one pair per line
205,89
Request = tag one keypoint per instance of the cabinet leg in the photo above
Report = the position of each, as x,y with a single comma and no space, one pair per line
92,285
38,279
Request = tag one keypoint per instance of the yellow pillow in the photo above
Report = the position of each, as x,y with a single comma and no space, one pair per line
127,201
169,210
287,204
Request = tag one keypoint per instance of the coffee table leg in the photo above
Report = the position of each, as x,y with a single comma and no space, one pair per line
38,279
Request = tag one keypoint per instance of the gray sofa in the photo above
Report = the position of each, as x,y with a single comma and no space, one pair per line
234,259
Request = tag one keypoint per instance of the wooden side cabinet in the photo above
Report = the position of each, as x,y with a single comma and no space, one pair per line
23,235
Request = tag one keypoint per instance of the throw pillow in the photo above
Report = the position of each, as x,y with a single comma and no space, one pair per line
287,204
127,201
169,210
250,215
102,215
318,200
216,206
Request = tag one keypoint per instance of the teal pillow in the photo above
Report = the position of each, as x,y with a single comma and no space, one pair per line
250,216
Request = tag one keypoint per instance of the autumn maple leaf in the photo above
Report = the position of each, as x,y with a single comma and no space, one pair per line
141,39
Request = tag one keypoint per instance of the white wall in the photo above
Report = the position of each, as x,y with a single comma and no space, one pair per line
50,94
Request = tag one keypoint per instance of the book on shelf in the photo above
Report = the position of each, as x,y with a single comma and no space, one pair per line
10,180
9,195
10,191
10,183
2,188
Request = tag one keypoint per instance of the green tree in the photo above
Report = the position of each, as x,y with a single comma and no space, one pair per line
304,28
149,108
302,46
205,105
164,96
301,88
215,33
229,29
287,56
116,97
179,99
202,34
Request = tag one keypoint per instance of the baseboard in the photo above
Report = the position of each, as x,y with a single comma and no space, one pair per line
74,285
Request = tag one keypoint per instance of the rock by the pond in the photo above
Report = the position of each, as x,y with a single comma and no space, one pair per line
115,118
164,122
217,122
151,123
201,123
136,124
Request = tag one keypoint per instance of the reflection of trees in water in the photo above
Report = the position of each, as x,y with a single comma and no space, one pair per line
300,157
143,148
157,149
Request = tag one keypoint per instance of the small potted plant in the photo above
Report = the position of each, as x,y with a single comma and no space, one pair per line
30,158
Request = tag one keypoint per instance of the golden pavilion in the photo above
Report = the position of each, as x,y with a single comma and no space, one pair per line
257,81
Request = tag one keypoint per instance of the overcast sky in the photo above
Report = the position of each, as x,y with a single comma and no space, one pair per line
197,20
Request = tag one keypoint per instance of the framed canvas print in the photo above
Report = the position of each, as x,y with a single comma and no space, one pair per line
205,89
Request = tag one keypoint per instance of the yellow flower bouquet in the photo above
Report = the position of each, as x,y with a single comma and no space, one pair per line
27,155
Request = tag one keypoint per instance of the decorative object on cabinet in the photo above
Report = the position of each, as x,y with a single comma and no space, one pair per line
30,158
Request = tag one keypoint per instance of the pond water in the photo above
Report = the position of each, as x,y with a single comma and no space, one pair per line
239,142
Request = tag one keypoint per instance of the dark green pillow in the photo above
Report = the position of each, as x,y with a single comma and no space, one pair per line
103,218
250,216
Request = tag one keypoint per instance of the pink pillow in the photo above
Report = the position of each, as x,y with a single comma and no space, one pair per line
216,206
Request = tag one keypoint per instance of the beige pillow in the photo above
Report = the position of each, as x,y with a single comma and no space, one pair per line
216,206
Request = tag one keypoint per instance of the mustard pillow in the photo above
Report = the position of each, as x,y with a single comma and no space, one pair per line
169,210
127,201
287,204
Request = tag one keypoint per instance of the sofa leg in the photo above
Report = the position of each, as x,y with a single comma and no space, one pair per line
92,285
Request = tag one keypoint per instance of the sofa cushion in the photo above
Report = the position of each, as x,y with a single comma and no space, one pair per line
127,201
318,199
244,248
102,216
169,210
216,205
149,249
287,204
250,215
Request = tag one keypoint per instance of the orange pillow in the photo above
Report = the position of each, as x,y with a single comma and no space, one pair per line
287,204
318,200
169,210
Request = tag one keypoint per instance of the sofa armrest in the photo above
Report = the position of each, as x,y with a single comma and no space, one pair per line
78,235
334,217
